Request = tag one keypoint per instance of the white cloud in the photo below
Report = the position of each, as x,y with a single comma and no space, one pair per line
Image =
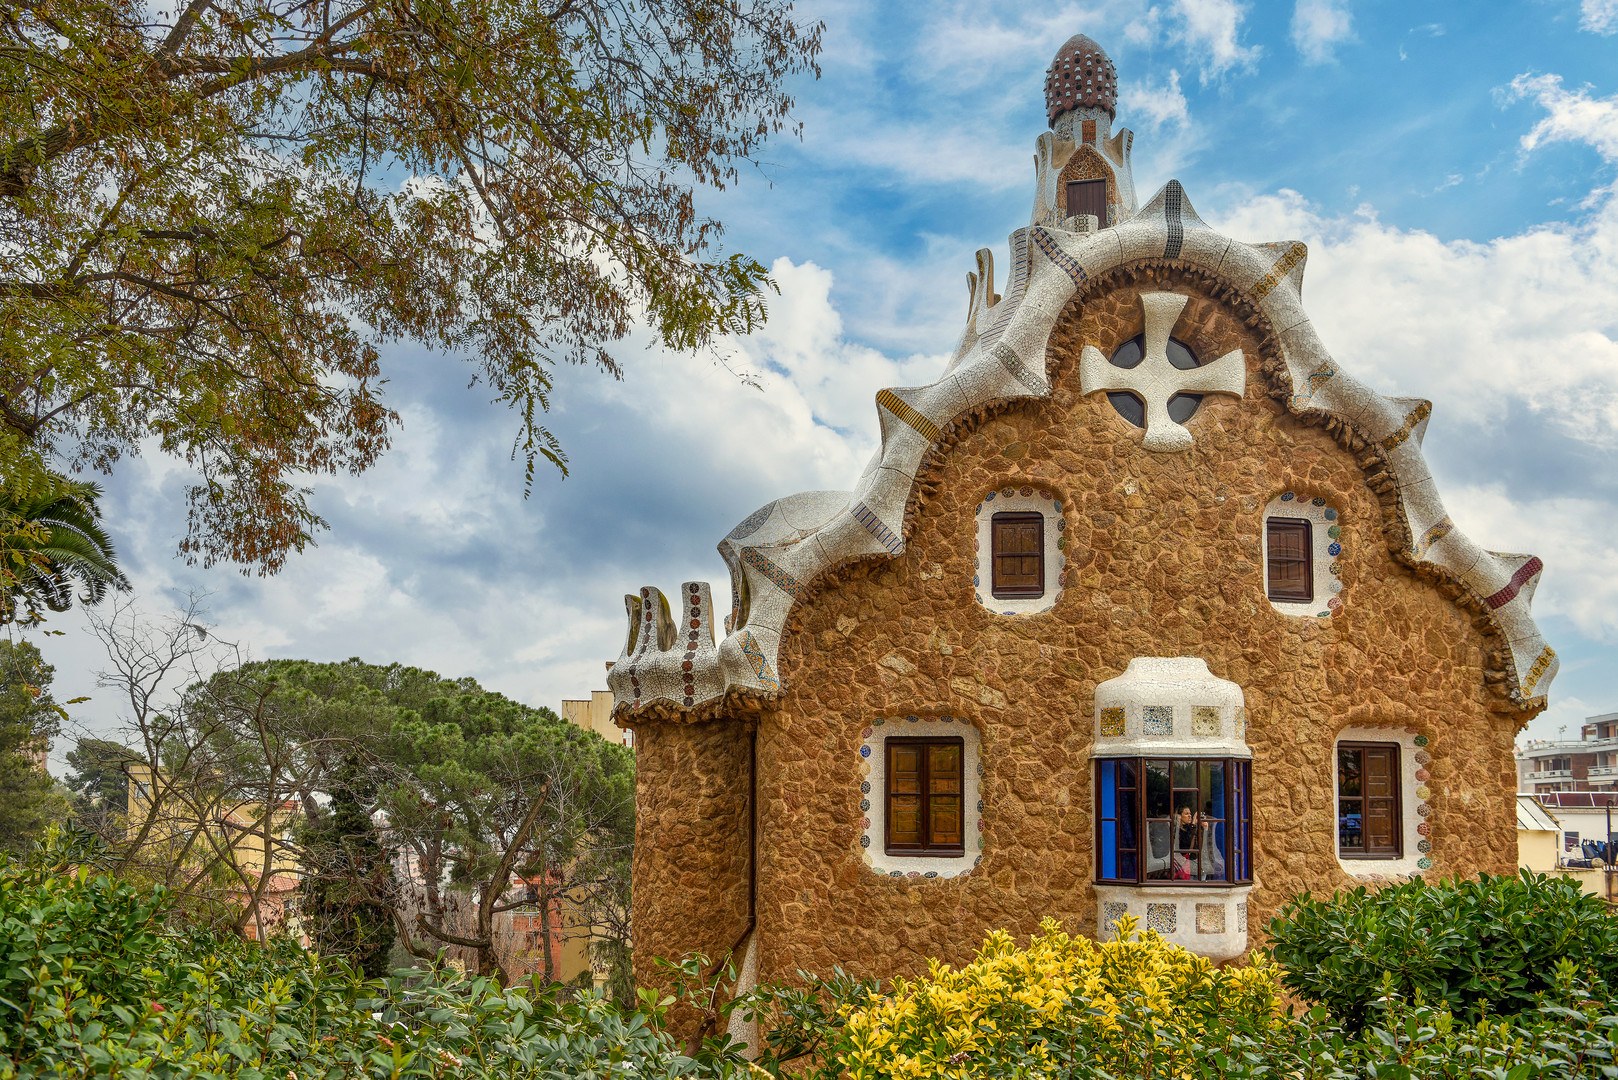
1211,32
1320,25
1599,16
1574,116
1159,105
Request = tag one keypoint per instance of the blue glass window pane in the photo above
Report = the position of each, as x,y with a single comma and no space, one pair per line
1109,849
1109,789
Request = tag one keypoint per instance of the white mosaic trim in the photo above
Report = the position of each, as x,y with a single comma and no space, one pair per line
1415,809
1012,501
873,807
1208,922
1325,534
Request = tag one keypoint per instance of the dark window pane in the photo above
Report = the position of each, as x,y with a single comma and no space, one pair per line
1348,771
1129,406
1130,353
1180,355
1185,774
1183,406
1159,849
1157,789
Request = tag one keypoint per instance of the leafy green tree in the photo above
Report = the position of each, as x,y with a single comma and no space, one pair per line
29,719
346,870
217,212
51,545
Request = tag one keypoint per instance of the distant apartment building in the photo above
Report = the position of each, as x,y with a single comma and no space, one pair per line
1545,766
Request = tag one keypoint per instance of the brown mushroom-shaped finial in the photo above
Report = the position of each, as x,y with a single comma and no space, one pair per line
1081,75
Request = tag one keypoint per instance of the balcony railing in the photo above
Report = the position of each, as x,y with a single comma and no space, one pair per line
1552,774
1599,771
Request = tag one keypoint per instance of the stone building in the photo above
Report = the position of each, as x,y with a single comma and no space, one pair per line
1145,605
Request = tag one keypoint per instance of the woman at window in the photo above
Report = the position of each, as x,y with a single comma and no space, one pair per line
1187,843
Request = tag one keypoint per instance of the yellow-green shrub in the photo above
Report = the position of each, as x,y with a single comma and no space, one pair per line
1018,1011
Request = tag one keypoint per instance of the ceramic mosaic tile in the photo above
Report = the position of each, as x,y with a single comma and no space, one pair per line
1111,912
1241,917
1241,720
1164,918
1210,918
1205,720
1112,721
1159,719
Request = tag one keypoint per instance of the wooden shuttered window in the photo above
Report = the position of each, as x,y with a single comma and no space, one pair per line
1369,823
1289,564
926,797
1088,197
1018,558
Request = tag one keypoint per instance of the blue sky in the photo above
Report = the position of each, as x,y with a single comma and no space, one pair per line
1450,164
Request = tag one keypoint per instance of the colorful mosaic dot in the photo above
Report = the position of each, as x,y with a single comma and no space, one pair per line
1164,918
865,787
1288,497
1425,863
1424,828
1421,740
1331,515
865,804
1158,719
1111,912
1425,847
1423,791
1318,501
1112,721
879,721
1334,548
865,841
1205,720
1210,918
865,751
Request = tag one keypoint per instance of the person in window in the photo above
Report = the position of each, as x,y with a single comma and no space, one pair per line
1187,843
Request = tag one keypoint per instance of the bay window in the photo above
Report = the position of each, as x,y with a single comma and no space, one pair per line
1168,821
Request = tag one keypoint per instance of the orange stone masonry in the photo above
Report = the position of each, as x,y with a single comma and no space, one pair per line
1163,559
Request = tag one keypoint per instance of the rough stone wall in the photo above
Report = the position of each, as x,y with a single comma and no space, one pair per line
1163,559
691,842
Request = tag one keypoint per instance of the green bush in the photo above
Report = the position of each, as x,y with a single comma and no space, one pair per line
1484,947
94,983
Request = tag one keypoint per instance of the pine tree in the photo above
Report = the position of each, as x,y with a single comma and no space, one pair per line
344,909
